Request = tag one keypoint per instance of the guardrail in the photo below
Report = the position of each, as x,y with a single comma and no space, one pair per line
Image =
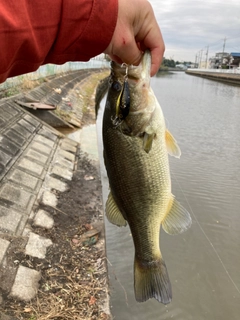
233,71
51,69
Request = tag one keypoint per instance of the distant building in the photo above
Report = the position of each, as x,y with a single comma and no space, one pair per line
181,66
221,60
234,59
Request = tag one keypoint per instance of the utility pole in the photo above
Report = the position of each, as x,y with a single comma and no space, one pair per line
206,57
200,58
224,43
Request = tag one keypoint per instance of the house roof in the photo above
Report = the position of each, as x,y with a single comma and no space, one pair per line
235,54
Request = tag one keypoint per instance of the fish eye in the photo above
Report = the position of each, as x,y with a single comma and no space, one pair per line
116,86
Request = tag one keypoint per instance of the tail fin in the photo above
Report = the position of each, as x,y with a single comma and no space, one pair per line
151,280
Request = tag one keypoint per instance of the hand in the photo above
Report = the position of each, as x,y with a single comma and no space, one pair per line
136,30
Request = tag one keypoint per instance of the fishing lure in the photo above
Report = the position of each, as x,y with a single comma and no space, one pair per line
123,101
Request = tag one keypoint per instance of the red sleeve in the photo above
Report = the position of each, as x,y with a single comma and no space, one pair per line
36,32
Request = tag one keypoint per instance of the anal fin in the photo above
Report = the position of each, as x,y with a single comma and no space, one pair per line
178,219
113,213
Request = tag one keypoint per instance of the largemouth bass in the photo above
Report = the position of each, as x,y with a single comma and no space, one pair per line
136,146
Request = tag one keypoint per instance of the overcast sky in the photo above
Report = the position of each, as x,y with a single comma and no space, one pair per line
189,26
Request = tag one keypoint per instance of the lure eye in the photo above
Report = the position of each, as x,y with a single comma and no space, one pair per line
116,86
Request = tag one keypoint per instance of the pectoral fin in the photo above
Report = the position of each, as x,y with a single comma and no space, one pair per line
147,141
178,219
172,146
113,213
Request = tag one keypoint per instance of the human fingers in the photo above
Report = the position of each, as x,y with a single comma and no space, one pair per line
148,34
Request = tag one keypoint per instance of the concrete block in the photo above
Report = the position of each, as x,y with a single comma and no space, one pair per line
32,167
12,135
3,248
69,142
9,219
43,140
8,146
67,155
62,162
53,183
24,179
46,132
68,147
37,246
41,148
62,172
32,120
26,283
43,219
21,130
4,159
49,199
34,155
27,125
17,198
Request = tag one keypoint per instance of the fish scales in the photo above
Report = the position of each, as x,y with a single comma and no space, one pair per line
136,149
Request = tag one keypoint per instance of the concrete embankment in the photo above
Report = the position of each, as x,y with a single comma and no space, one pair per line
50,195
230,78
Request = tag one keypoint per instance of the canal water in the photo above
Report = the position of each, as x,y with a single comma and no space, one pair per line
204,262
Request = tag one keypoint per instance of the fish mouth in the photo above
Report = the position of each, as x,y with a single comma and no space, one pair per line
140,72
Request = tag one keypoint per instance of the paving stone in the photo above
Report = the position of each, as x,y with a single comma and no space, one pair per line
27,125
11,108
9,219
44,140
24,179
70,142
1,127
62,172
4,158
5,115
8,146
22,131
26,283
53,183
65,145
49,134
32,167
36,156
18,199
62,162
43,219
37,246
32,120
3,248
14,136
49,199
67,155
41,148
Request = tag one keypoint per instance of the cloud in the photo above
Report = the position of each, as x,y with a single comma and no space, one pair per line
191,25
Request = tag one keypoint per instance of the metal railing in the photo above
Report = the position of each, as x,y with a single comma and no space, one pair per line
51,69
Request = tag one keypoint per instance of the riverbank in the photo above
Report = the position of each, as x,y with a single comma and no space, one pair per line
52,257
230,78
